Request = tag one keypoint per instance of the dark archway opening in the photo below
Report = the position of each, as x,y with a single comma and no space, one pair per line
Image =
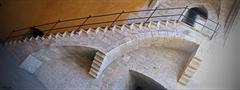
196,17
142,82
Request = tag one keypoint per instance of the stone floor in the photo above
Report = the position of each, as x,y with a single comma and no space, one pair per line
67,68
14,78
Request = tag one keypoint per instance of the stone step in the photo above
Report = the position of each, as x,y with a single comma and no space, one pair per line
197,59
163,22
100,54
194,63
49,37
90,31
66,34
98,58
93,74
115,28
183,80
98,63
133,26
58,35
191,67
38,38
94,71
125,27
106,29
99,29
95,67
82,32
172,22
140,25
73,33
152,25
30,39
43,38
189,72
159,24
187,75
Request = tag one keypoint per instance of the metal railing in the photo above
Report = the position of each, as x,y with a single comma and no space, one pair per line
56,27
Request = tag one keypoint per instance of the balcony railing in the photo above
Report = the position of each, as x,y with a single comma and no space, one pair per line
118,18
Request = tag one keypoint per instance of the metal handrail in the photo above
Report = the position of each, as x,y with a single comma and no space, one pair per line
119,14
99,16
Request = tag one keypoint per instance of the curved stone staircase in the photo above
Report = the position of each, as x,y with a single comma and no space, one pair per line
124,27
103,39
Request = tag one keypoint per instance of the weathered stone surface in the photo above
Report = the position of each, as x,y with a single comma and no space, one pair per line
31,64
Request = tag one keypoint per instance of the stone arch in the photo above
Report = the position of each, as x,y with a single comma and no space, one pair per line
160,41
119,41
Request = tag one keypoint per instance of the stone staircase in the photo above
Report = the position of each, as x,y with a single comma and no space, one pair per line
103,39
97,64
189,71
77,35
66,34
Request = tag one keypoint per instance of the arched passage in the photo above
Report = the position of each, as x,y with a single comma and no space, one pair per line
196,17
143,82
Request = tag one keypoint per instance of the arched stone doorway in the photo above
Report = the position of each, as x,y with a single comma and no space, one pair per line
143,82
196,17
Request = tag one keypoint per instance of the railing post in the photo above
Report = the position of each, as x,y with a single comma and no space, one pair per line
214,31
182,14
84,22
204,26
116,18
55,24
150,15
213,35
216,27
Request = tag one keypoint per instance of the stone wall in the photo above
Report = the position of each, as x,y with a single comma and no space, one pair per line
19,14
